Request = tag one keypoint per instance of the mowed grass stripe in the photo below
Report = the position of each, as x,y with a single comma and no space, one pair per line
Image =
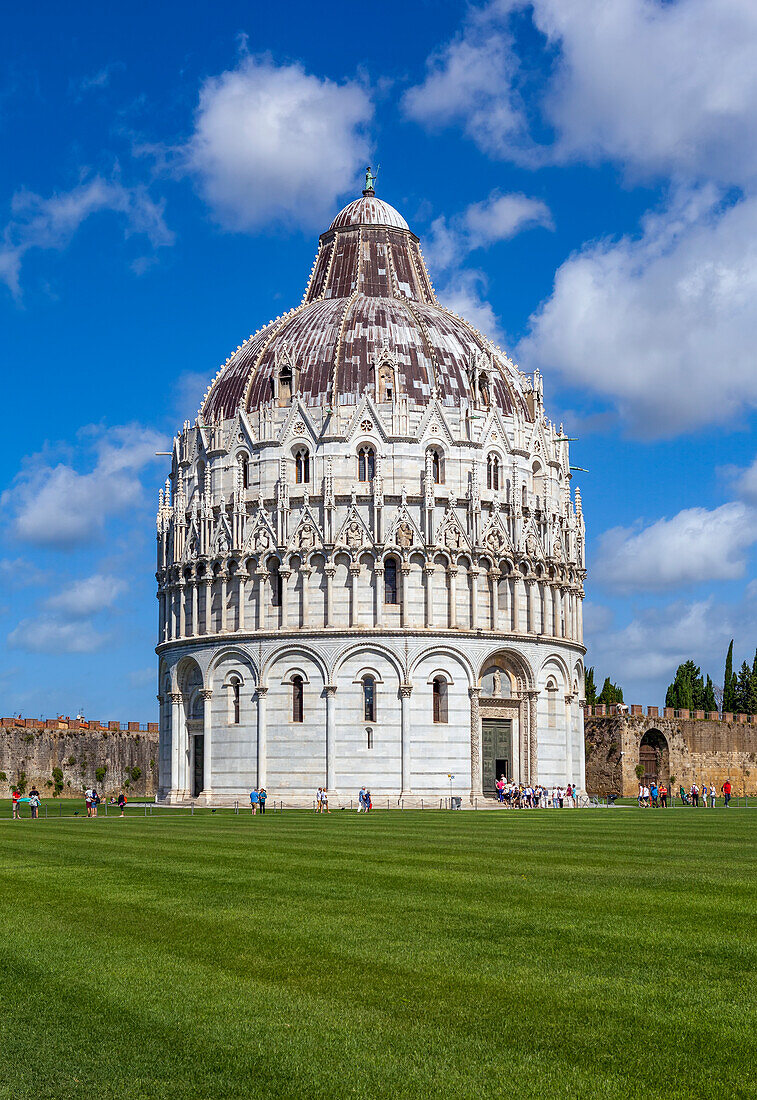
590,954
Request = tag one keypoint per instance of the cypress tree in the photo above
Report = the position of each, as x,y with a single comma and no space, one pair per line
687,690
708,701
610,693
742,692
729,686
590,688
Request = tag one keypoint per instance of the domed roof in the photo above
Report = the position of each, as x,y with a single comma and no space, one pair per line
368,211
369,296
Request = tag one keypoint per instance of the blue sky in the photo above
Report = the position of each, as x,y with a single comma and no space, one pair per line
582,176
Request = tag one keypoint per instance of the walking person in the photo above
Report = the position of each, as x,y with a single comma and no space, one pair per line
262,796
88,794
726,789
325,802
713,796
254,799
361,800
663,796
15,795
368,802
318,799
95,802
500,785
122,802
34,802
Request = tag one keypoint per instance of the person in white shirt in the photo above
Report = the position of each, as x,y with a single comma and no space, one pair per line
318,799
646,797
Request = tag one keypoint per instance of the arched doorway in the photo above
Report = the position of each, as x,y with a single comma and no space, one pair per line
654,757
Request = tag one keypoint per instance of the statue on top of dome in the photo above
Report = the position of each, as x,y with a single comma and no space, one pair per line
370,180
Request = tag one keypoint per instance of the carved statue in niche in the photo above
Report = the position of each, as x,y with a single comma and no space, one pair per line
262,540
354,535
495,541
453,540
222,542
404,535
306,538
557,547
532,545
497,685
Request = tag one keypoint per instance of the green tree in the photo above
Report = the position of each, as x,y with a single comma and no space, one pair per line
590,688
610,693
708,703
742,693
729,682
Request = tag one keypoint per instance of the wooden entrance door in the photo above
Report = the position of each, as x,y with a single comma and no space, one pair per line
497,751
198,774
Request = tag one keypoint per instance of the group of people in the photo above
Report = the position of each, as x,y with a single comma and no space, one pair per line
258,798
33,799
518,796
364,801
656,795
322,801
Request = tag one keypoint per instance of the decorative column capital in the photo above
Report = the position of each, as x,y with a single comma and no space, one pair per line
206,693
160,698
174,696
474,692
355,568
406,690
261,691
330,690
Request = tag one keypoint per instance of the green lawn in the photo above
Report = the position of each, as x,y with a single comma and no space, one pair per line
597,953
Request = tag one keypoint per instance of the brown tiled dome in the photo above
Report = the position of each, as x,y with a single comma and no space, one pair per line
369,292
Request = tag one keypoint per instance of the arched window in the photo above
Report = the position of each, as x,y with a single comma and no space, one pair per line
285,386
277,591
492,472
366,464
235,700
391,594
298,695
524,497
201,477
302,466
440,699
244,464
386,384
369,699
437,466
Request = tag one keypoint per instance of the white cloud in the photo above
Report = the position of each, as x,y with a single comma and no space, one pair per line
660,87
497,218
87,596
662,325
58,506
464,295
693,546
745,481
275,142
48,634
21,573
50,223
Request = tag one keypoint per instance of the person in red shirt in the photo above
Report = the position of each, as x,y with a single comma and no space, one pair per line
726,789
15,795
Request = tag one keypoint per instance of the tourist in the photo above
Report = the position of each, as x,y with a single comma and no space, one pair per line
122,802
694,794
569,795
318,799
726,789
654,792
500,785
262,796
88,795
254,797
663,790
325,802
368,802
645,802
15,795
34,801
640,796
713,796
361,807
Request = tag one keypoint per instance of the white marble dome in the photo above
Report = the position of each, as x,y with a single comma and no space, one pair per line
370,564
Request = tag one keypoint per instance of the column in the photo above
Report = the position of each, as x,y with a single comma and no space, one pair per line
404,587
556,604
330,572
494,575
207,741
175,697
406,690
379,574
428,573
523,740
474,598
262,768
354,577
208,603
224,579
182,609
241,597
476,776
452,575
569,738
330,690
305,571
531,595
549,626
195,607
518,593
260,576
285,574
161,616
533,750
580,623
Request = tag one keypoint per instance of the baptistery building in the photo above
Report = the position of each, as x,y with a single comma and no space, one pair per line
370,563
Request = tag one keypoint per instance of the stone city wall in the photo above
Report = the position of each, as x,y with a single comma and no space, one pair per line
63,757
695,748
